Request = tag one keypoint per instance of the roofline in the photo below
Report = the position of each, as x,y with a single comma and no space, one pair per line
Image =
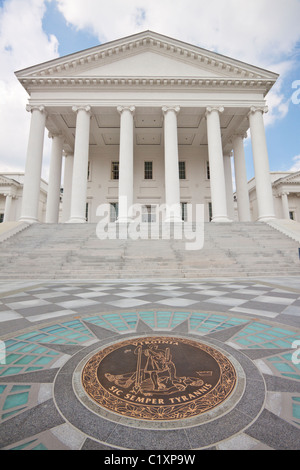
145,33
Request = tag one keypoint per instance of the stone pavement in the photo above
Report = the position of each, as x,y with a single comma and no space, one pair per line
49,329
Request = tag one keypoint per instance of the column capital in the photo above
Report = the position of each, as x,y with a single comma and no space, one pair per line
131,109
30,108
261,109
166,109
238,135
210,109
52,135
86,108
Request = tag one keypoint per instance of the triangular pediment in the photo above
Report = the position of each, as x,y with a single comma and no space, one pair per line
147,64
293,178
146,54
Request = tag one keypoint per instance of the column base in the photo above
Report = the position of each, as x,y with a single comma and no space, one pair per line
76,220
221,219
173,220
265,218
29,220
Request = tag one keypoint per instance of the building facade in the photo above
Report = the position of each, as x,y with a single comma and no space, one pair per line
146,120
286,195
11,194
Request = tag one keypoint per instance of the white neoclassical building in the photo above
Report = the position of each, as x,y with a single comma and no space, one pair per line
286,195
11,194
147,120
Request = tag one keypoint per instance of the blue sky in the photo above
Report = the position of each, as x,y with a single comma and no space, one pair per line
265,33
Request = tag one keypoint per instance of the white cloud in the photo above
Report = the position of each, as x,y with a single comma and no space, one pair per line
296,165
22,44
260,32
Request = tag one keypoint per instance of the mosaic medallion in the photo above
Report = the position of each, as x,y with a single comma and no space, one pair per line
159,378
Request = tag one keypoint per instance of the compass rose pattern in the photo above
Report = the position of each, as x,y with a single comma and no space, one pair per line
43,407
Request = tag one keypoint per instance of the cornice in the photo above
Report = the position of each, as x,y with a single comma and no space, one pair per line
147,40
35,82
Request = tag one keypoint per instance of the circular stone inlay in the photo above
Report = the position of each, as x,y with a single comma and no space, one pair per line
159,378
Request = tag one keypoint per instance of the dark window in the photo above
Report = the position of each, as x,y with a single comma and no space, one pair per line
210,211
184,211
182,171
148,171
207,171
114,211
115,170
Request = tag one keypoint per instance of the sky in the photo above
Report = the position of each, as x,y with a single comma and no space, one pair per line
264,33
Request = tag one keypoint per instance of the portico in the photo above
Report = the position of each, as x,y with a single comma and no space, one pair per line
149,120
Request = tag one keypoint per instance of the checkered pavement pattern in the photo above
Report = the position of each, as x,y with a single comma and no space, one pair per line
46,301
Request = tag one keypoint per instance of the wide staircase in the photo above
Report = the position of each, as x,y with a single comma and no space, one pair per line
74,251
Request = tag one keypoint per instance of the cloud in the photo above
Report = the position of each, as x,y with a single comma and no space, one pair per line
22,44
296,165
259,31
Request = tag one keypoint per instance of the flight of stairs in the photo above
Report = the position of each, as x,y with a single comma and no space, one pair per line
73,251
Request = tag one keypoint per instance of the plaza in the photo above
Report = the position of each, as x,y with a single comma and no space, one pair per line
130,343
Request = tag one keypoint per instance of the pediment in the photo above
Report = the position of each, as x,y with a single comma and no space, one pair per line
5,181
145,54
291,179
147,64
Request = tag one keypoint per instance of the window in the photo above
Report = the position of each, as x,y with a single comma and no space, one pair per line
89,171
1,218
182,171
148,171
207,171
115,170
114,211
210,211
184,211
148,214
87,212
292,215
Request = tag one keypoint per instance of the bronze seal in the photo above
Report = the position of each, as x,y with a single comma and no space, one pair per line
159,378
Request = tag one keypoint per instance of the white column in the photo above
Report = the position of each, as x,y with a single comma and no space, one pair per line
7,209
53,198
33,169
216,165
261,164
172,183
80,168
68,174
241,179
125,162
285,206
229,186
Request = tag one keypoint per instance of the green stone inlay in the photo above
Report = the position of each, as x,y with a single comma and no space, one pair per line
18,399
43,361
292,376
12,358
19,388
39,447
15,346
283,367
296,411
26,360
2,388
23,446
11,371
8,415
